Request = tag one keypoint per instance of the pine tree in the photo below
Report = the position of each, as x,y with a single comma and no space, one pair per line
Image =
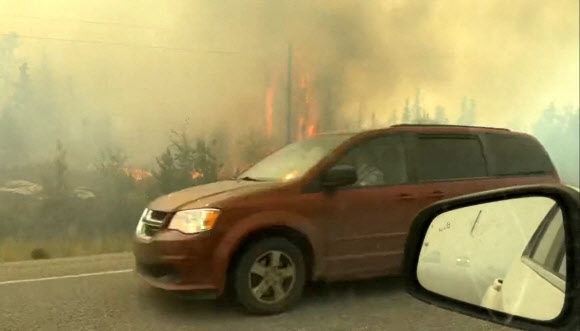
8,65
440,116
168,176
184,164
406,117
418,112
61,170
55,182
205,163
15,144
552,129
468,115
57,212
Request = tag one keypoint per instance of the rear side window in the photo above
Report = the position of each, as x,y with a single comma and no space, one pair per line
510,155
439,158
547,247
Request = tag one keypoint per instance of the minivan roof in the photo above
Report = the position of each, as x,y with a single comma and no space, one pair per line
423,128
448,126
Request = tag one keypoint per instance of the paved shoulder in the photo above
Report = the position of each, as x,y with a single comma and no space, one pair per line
117,302
13,271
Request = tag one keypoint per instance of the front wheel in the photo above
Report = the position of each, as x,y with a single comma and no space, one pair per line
270,276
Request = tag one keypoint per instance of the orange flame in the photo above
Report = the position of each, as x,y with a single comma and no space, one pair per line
270,99
196,174
310,103
305,103
311,131
137,174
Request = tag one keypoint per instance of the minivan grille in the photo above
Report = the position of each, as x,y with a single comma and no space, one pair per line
153,221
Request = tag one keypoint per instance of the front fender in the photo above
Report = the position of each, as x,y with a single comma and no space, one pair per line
235,235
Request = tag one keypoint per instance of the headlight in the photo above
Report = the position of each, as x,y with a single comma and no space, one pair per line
194,220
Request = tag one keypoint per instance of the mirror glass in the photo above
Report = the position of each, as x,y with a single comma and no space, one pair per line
506,255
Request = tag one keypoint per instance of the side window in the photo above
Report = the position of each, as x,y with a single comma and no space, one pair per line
562,269
547,248
440,158
378,161
516,155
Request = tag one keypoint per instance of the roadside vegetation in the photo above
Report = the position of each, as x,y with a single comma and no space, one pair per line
68,188
50,210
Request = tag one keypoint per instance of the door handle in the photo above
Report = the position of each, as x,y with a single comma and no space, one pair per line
406,196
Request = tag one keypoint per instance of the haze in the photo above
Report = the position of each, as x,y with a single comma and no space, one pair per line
149,65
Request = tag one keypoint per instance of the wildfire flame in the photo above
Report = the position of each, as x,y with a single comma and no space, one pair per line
270,99
311,131
142,174
137,174
196,174
309,116
304,102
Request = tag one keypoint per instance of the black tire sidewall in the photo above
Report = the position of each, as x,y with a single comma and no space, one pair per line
242,290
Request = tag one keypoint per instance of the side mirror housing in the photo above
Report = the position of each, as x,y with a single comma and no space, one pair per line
500,255
338,176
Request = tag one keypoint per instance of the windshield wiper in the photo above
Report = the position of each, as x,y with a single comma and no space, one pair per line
249,179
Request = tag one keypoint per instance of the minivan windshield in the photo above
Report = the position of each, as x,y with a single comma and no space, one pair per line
293,160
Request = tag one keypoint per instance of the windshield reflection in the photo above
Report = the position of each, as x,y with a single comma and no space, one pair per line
294,160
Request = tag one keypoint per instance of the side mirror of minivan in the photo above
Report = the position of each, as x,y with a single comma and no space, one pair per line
339,175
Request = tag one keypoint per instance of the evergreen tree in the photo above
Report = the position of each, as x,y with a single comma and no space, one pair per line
57,212
168,176
558,132
467,115
116,193
184,164
15,145
406,117
440,116
205,163
8,66
56,185
418,111
176,164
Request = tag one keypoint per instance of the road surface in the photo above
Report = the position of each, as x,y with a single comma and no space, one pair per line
102,293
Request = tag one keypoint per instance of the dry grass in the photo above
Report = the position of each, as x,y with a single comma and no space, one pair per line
13,250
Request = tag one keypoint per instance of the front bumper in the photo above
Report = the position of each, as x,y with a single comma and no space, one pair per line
176,262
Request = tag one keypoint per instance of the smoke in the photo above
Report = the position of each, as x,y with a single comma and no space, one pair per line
213,60
513,58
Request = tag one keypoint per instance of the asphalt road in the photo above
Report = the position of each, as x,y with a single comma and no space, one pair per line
88,299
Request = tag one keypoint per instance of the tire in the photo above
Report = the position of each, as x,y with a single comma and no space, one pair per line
262,286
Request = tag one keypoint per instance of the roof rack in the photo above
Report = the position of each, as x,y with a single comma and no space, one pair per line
450,125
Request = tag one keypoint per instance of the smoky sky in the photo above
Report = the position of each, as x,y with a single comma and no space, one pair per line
213,60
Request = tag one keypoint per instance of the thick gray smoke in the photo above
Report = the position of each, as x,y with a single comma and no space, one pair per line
212,61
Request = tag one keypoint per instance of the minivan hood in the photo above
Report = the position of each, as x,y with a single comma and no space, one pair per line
208,194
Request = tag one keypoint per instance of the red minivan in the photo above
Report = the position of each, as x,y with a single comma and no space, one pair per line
334,207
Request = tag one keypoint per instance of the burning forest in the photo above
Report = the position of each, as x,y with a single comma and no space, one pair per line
115,96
